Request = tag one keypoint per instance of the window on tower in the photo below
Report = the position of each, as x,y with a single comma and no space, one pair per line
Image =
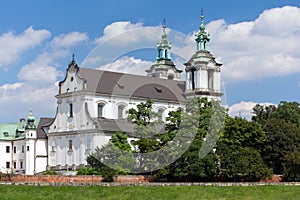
210,79
70,145
193,78
70,110
121,109
100,110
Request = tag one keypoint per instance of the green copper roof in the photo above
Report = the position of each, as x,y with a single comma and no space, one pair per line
202,37
14,131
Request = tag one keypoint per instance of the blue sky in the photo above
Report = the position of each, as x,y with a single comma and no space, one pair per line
257,41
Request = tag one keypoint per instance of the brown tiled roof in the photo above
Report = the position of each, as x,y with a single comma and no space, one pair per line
44,122
134,86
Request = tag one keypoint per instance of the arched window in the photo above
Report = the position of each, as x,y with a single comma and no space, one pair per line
160,113
100,109
121,109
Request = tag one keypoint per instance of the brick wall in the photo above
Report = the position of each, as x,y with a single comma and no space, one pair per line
98,179
56,179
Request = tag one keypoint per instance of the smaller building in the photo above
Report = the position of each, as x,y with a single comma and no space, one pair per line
23,146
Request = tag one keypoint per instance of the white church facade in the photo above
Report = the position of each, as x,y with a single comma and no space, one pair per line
92,104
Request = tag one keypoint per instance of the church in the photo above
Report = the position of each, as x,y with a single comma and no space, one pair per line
92,104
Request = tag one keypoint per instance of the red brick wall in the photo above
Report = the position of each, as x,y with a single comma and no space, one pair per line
56,178
134,179
79,179
275,178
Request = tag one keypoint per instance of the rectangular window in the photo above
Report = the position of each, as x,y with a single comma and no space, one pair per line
15,164
70,145
23,148
27,148
70,110
21,164
100,110
210,80
7,165
121,111
7,149
88,144
52,148
15,149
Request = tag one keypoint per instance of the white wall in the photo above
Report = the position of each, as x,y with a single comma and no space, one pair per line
5,157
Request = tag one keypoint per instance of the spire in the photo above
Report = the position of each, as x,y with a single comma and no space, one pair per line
164,46
164,67
30,121
202,37
73,65
164,35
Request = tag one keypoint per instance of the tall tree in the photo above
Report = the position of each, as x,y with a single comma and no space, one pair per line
281,125
239,149
281,138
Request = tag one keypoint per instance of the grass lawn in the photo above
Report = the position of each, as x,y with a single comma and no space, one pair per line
148,192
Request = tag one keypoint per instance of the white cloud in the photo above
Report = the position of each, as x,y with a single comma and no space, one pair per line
92,60
39,79
266,47
19,98
13,86
43,69
12,45
124,32
69,40
129,65
244,109
40,70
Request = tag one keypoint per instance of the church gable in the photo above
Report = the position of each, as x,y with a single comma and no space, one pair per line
72,81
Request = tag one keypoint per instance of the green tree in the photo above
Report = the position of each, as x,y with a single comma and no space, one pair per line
289,112
281,138
291,171
239,149
198,115
263,113
281,125
114,158
239,132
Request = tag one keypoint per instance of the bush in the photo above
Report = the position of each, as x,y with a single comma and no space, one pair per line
50,172
87,171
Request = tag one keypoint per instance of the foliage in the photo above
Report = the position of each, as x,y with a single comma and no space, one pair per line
87,171
282,127
291,170
282,138
239,132
289,112
49,172
239,149
190,164
250,166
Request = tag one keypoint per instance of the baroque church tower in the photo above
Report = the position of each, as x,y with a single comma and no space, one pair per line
164,67
203,72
